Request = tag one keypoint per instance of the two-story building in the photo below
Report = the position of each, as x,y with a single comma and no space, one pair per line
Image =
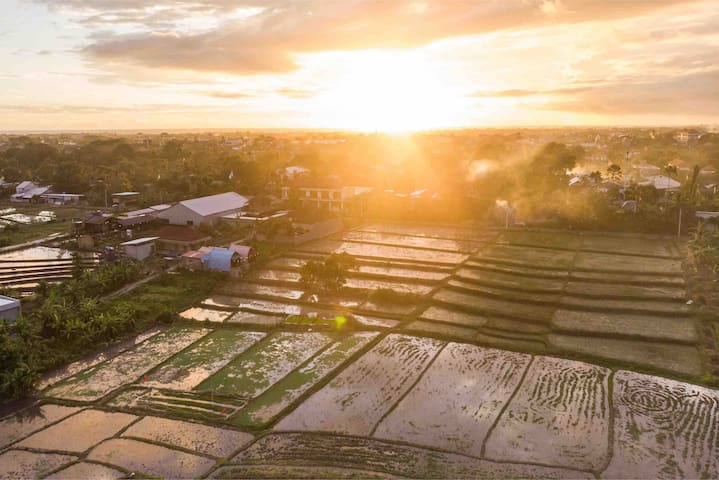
324,196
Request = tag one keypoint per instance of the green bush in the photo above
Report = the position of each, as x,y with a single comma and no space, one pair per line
704,244
18,371
329,275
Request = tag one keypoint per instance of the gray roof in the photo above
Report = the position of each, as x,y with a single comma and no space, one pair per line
214,204
7,303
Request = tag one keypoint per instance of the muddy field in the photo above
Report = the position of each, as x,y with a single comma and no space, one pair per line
523,354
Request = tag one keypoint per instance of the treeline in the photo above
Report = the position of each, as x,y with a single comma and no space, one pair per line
173,171
539,191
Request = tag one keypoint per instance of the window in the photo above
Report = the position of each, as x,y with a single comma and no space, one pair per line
190,223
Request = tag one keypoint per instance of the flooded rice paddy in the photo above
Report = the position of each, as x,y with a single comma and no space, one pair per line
465,380
9,216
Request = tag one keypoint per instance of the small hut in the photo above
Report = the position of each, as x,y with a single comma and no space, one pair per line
245,253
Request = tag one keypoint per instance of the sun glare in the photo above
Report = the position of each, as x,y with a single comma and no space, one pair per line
390,92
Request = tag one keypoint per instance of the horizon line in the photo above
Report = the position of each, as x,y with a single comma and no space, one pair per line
353,131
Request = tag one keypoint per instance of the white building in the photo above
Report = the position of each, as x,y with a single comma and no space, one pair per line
62,198
292,172
9,308
140,248
332,199
26,191
204,210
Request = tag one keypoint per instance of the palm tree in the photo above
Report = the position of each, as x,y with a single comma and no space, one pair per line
693,184
614,172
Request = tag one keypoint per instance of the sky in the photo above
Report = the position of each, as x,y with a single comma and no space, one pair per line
367,65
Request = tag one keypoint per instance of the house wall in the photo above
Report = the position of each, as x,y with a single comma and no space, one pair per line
11,314
140,252
173,247
191,263
181,215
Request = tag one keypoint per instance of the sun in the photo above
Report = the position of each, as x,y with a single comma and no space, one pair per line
389,91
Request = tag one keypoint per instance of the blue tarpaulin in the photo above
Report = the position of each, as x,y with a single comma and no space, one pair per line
219,259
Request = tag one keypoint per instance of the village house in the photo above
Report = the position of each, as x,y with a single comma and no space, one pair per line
97,222
153,211
140,248
122,199
192,260
10,308
293,172
62,198
27,191
176,240
325,195
204,210
662,183
138,219
246,254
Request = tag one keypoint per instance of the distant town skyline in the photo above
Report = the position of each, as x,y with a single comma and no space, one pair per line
363,65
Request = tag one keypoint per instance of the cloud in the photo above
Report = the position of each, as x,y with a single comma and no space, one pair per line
296,93
227,95
293,93
514,93
267,41
203,53
683,95
62,109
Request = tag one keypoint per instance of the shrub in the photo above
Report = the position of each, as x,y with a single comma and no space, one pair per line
386,296
704,244
329,275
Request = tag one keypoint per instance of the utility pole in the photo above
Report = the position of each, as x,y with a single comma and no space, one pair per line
679,227
679,222
626,168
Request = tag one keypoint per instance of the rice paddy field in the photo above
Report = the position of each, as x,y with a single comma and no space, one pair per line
506,354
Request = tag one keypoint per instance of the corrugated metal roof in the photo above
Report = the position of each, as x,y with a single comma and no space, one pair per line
140,241
661,182
148,210
214,204
242,250
32,192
